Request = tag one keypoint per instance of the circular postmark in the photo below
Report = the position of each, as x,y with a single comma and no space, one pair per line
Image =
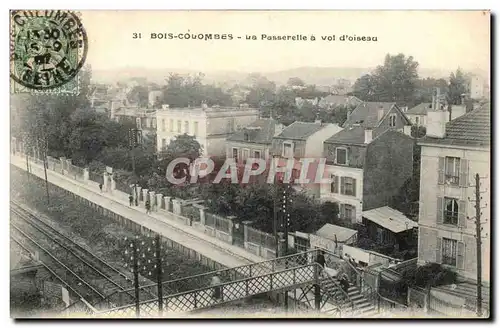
48,48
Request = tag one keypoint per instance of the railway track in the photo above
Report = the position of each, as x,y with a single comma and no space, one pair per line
88,275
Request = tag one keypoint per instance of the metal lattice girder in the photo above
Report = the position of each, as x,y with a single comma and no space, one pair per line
203,280
234,290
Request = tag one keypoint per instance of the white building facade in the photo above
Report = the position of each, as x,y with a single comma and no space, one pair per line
209,125
450,159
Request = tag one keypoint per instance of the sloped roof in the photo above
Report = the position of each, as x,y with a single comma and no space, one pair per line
329,231
420,109
349,135
390,219
300,130
261,131
471,129
366,113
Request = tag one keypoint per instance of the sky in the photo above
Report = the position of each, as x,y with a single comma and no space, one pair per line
436,39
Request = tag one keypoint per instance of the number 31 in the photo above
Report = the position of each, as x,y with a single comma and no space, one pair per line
136,35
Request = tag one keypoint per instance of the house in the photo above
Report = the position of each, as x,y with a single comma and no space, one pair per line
144,119
386,225
333,101
378,116
452,154
253,141
211,126
332,237
303,140
299,102
418,114
367,167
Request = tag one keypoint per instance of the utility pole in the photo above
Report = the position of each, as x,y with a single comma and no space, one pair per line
136,278
478,248
286,223
159,276
45,164
133,138
479,229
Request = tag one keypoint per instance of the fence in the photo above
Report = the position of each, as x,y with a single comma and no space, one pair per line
218,223
417,297
261,238
191,212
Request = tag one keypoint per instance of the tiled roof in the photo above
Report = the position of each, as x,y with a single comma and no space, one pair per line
261,131
366,113
329,231
471,129
390,219
300,130
349,135
420,109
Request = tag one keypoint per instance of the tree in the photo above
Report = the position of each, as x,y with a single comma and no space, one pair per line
426,88
457,87
395,81
295,82
262,91
364,88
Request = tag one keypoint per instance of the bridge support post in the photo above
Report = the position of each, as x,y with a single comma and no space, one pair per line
317,297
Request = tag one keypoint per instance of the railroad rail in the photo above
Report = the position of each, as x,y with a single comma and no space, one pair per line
105,278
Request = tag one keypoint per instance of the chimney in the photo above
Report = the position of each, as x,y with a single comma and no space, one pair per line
436,123
407,130
368,136
380,114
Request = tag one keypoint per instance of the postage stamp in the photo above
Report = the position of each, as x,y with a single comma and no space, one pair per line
47,50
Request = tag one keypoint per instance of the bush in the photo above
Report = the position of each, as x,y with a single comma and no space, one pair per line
432,274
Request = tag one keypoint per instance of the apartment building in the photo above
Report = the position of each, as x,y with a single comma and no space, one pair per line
452,154
211,126
367,168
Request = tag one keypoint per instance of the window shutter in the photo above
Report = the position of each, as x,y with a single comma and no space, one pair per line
441,171
354,187
464,173
342,185
342,211
335,184
438,249
353,219
440,210
460,255
462,213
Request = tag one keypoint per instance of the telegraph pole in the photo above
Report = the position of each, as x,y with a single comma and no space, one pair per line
45,164
478,248
136,278
479,229
159,276
133,133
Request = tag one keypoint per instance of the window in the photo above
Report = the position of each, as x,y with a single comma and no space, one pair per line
256,154
163,124
450,211
348,186
301,244
349,212
230,125
452,170
245,154
392,120
153,123
235,153
417,120
341,156
171,125
163,144
195,128
138,122
179,125
449,252
287,150
186,126
334,187
246,136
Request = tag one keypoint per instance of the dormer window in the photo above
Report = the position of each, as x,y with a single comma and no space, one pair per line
341,156
392,120
246,136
